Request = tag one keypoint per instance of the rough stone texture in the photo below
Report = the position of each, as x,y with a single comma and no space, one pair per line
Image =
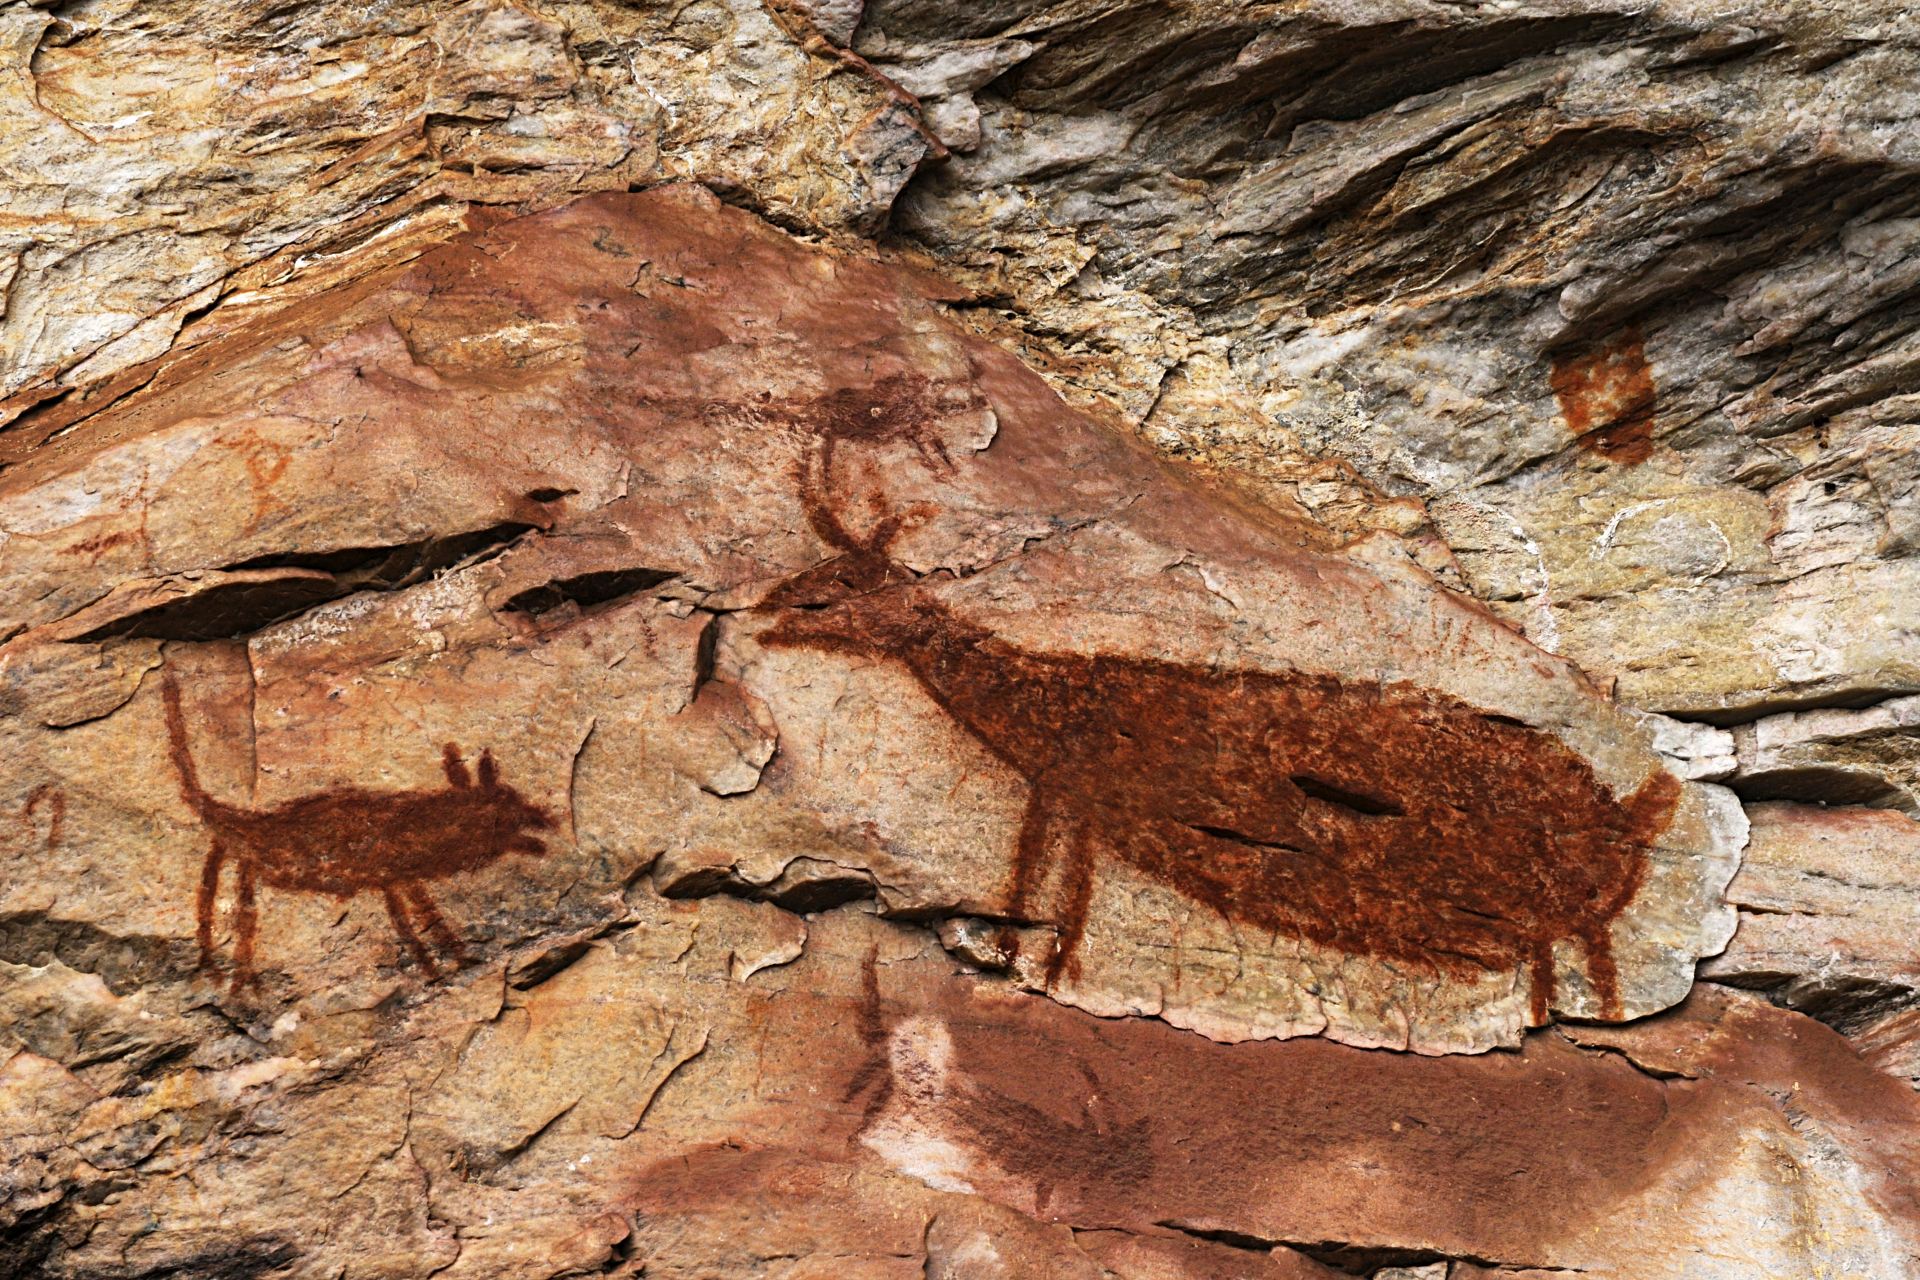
165,159
593,486
544,737
1828,901
1618,289
1869,757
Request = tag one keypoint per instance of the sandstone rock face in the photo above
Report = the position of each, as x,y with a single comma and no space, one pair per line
818,639
634,536
1828,900
1600,282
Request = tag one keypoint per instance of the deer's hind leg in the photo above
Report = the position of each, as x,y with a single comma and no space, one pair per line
1540,982
1078,887
422,904
1602,972
403,925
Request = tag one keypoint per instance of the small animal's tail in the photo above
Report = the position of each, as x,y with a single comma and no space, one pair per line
182,755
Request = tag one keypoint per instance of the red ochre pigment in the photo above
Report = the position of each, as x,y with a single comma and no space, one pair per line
344,841
1607,398
1396,822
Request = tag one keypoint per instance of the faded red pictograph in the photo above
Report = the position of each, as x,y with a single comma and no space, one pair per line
1606,396
1388,821
1030,1135
345,841
50,800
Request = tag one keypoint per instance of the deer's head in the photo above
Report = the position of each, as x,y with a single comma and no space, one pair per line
854,600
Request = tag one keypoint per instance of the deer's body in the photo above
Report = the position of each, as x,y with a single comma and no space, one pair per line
1389,821
347,840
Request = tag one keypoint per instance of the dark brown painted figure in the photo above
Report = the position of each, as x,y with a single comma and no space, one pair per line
345,841
1394,821
1607,398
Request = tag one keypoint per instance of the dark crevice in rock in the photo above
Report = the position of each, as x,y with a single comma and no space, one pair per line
587,590
224,611
126,963
1734,717
234,609
390,568
1847,1003
1345,1256
242,1260
1346,798
1661,1074
802,896
1824,785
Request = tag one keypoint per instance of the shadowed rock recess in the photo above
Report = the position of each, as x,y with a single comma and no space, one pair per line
796,639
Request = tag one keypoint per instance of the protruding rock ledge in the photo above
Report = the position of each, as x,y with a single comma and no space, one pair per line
779,568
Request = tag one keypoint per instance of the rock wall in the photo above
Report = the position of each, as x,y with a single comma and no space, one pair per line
803,640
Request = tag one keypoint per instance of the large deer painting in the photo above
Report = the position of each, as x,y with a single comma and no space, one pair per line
1389,821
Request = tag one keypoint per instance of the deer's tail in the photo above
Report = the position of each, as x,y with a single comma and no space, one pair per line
177,748
1647,812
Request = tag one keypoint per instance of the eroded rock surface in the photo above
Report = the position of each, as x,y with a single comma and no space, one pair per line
544,736
636,537
1618,289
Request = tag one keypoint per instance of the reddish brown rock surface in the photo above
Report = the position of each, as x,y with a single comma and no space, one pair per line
706,540
635,743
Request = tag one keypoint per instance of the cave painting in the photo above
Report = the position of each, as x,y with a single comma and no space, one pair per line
345,841
53,801
1606,396
916,1065
1389,821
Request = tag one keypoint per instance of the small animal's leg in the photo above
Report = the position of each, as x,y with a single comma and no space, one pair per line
1540,981
246,927
1079,890
203,906
397,912
443,935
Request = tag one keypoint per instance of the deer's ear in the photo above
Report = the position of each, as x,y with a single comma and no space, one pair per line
489,772
456,767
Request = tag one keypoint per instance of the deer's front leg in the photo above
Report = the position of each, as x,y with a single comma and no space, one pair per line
246,926
1079,900
209,898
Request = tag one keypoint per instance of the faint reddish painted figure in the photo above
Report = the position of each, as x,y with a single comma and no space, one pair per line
54,801
345,841
1025,1139
1395,821
1607,398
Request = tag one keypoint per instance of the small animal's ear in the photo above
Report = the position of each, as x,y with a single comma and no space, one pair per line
489,772
456,767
